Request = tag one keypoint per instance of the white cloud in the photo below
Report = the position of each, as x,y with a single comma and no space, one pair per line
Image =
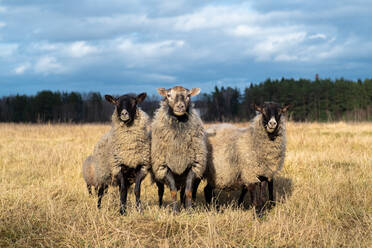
2,24
215,17
246,31
80,49
48,65
160,77
73,49
318,36
19,70
149,49
45,46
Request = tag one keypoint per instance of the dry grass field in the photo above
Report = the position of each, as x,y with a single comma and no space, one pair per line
324,195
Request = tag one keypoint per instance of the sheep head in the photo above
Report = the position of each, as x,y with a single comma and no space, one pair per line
126,106
178,99
271,113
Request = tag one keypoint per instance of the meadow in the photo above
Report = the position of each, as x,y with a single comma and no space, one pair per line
324,195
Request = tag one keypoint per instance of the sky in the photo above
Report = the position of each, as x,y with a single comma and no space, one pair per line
116,46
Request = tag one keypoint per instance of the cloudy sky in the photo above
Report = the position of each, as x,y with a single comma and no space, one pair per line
116,46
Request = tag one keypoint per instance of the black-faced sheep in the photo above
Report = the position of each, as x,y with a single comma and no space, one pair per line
122,156
243,157
178,147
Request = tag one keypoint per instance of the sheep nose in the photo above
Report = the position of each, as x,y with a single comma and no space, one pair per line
124,112
180,106
272,123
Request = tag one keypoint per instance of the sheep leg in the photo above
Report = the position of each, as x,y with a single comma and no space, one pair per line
160,192
173,188
137,189
271,189
182,196
189,188
208,194
271,192
195,188
89,189
242,195
101,191
252,193
123,190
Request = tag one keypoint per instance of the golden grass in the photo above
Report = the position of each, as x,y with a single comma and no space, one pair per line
324,194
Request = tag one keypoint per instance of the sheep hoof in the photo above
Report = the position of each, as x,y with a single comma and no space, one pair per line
123,211
175,209
139,208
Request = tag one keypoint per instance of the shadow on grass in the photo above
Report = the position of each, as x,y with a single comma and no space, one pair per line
283,188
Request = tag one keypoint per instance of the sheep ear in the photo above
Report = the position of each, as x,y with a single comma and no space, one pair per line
141,97
111,99
162,92
194,92
259,109
285,109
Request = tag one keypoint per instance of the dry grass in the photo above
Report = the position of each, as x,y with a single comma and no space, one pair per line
324,193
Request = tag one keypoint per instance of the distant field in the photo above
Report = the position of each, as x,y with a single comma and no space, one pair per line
324,194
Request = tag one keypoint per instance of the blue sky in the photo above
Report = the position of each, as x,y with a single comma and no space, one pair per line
115,46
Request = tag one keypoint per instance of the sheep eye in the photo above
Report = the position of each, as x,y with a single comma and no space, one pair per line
168,95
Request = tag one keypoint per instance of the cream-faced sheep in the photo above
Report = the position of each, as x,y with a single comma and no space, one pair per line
178,147
242,157
122,156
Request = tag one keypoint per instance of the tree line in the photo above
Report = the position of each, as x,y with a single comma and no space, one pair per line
310,100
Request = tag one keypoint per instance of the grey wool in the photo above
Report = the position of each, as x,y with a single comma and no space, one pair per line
122,145
177,145
238,156
88,172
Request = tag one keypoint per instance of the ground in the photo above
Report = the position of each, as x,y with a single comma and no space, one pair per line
324,195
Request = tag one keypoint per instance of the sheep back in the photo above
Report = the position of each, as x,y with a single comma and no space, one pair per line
177,145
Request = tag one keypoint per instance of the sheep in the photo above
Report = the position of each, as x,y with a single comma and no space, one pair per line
88,173
178,146
122,155
243,157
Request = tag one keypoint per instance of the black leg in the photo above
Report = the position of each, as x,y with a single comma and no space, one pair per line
252,193
160,192
271,191
172,185
242,195
189,188
183,197
208,193
195,188
89,189
123,190
262,199
101,191
137,189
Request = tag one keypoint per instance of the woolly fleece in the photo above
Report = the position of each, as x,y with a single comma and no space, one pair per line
177,145
237,156
122,145
88,171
